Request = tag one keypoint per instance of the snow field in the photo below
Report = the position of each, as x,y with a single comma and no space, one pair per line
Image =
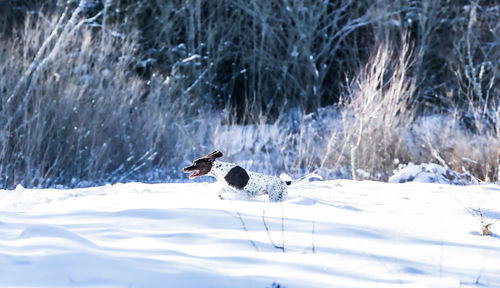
338,233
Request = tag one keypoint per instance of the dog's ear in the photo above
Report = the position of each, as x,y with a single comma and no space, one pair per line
215,154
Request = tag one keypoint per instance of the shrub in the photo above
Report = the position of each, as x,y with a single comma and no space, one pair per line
72,111
106,91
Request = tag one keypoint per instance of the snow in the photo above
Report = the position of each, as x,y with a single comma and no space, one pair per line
428,173
338,233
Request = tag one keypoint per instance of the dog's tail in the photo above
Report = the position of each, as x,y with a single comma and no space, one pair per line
288,180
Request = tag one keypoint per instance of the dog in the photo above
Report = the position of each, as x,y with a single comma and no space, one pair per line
248,183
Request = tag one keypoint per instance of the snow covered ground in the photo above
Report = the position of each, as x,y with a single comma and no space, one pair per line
334,234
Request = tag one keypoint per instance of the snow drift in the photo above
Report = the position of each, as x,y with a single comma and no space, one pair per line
328,234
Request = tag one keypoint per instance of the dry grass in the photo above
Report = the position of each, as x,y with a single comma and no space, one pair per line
72,111
475,153
375,116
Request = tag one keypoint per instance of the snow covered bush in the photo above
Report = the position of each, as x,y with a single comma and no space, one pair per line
429,173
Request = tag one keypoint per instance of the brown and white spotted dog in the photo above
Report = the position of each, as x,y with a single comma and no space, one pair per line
248,183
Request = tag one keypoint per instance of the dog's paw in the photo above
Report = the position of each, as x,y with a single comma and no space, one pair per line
224,193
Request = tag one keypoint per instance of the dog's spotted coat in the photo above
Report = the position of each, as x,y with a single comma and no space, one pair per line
248,183
257,184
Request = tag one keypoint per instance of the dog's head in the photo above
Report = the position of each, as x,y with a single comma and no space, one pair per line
202,165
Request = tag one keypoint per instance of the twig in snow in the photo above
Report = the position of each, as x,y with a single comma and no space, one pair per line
479,277
313,247
282,248
485,227
477,213
282,228
313,231
244,226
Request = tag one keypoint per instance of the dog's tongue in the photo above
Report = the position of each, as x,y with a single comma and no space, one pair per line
192,175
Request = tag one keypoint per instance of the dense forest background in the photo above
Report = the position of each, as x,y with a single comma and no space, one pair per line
105,91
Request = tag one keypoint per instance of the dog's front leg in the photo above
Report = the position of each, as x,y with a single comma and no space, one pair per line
225,193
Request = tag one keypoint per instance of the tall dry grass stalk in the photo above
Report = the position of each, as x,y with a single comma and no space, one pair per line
376,115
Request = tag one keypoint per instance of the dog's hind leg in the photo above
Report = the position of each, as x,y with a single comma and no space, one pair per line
278,193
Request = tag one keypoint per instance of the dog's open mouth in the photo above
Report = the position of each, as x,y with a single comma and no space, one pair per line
194,174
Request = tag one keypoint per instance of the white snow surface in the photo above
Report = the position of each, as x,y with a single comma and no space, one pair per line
337,233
